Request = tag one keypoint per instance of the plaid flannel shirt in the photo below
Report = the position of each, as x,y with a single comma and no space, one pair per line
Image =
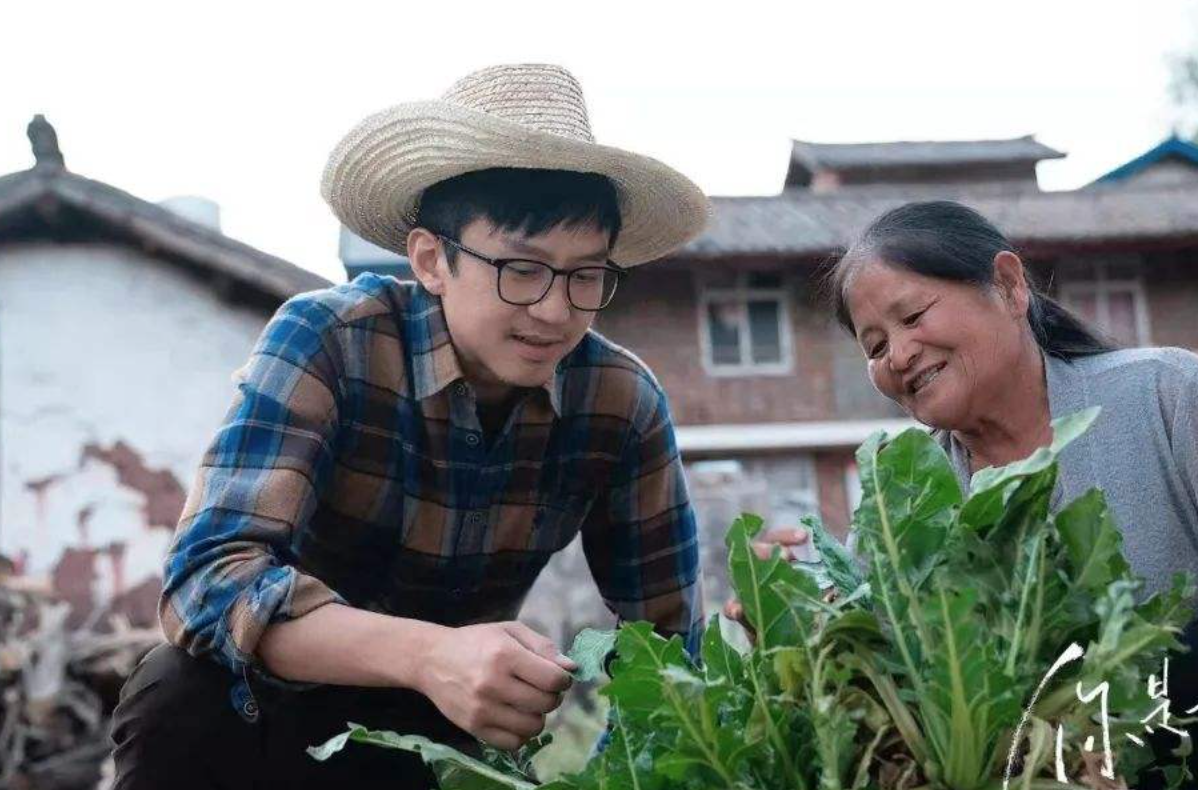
351,467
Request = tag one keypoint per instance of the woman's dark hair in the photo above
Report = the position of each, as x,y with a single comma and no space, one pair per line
520,200
949,241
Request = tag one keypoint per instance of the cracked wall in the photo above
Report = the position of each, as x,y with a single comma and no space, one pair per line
114,373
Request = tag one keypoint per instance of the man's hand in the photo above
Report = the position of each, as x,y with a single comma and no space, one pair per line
793,543
496,681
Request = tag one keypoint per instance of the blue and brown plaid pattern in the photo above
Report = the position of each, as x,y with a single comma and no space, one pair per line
352,467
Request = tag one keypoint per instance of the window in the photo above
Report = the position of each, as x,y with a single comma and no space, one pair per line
744,325
1113,301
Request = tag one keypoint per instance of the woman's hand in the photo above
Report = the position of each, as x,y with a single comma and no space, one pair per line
794,543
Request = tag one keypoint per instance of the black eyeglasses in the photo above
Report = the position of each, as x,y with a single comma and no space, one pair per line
522,282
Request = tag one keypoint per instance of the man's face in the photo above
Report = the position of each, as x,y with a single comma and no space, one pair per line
500,345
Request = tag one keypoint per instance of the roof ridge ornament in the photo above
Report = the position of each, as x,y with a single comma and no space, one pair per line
44,141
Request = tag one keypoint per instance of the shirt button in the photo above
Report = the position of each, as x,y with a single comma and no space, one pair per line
460,388
472,439
474,519
250,709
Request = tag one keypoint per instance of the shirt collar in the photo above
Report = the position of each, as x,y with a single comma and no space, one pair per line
435,363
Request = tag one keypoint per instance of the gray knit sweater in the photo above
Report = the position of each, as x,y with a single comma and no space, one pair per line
1142,451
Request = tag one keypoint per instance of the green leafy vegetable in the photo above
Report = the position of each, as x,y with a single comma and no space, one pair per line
590,650
841,567
453,769
916,663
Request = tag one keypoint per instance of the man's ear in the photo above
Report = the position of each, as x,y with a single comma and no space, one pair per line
1011,281
428,264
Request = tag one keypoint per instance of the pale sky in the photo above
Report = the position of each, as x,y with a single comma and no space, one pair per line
241,102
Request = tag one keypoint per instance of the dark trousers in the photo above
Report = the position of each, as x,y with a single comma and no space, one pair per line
176,727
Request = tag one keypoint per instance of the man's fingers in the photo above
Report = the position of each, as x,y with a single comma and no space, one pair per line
541,673
516,722
541,645
532,700
500,739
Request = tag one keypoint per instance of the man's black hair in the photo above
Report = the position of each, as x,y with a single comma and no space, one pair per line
518,200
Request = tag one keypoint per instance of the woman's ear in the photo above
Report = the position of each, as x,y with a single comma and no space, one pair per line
428,265
1011,281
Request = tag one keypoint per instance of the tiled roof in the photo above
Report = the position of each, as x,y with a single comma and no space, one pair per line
52,200
844,156
809,225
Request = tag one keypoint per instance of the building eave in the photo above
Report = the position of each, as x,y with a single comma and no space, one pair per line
708,440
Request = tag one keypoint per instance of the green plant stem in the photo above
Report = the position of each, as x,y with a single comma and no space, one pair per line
954,769
1036,626
1035,784
904,722
900,637
688,726
892,554
862,777
904,588
792,774
1024,595
774,735
477,766
636,782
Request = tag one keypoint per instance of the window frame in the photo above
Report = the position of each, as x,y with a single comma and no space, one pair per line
742,293
1100,286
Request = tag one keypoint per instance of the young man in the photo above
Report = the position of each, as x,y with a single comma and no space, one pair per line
402,460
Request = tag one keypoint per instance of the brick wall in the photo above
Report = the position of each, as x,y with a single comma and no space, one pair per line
1171,286
656,315
830,469
1169,279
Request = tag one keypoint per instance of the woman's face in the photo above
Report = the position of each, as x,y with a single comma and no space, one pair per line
940,349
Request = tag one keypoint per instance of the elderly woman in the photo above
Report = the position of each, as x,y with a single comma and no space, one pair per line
954,332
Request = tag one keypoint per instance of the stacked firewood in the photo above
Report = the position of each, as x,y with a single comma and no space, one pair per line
58,687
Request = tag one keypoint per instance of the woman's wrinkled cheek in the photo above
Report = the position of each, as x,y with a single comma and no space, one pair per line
969,376
876,378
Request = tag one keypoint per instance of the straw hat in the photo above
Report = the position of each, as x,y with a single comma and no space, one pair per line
524,116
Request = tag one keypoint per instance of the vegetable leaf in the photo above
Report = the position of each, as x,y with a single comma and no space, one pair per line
839,564
454,770
590,651
914,672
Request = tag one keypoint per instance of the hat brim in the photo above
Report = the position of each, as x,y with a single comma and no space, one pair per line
376,174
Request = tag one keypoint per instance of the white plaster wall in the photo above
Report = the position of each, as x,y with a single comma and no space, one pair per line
100,344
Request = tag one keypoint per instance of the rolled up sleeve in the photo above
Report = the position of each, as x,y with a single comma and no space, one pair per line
229,573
